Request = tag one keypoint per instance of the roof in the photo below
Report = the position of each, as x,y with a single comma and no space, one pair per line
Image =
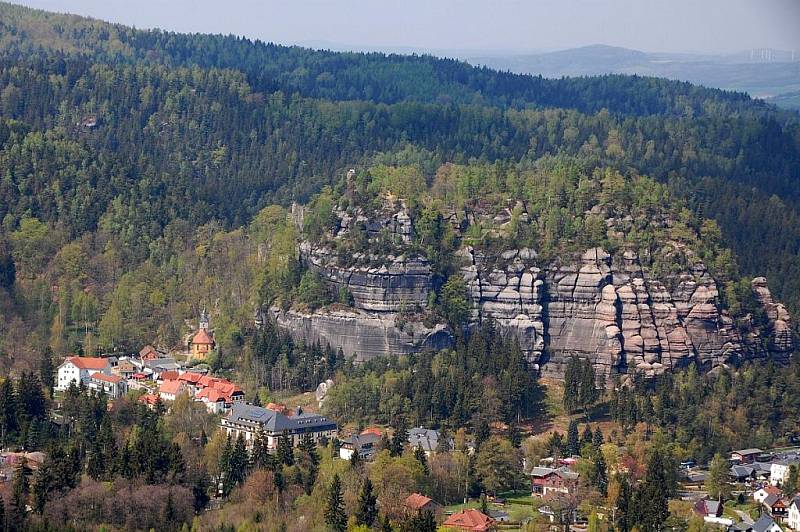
763,524
113,379
212,395
771,499
708,507
470,519
171,387
146,350
428,439
88,362
190,377
372,430
771,490
202,338
169,375
417,501
271,421
542,472
741,471
149,399
277,407
361,440
747,452
796,502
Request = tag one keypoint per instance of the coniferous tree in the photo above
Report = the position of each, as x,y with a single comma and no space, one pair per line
19,497
597,438
422,458
335,516
260,457
571,385
284,451
573,442
399,438
367,509
8,410
586,436
47,370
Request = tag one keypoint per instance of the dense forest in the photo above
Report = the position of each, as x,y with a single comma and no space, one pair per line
145,175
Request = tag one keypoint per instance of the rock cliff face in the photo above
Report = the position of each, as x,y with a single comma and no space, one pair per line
610,311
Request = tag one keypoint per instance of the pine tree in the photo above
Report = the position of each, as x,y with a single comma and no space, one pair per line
399,438
597,438
8,410
19,497
573,443
335,516
586,436
587,392
260,457
284,451
422,458
571,386
47,371
624,518
355,459
367,510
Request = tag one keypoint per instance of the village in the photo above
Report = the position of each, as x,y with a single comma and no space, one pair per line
753,500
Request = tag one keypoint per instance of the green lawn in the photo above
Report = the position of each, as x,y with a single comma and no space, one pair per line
519,505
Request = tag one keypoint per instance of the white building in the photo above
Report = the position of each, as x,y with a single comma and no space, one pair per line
112,385
779,470
79,370
248,420
793,519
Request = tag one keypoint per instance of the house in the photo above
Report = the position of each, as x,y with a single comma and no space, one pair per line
711,512
779,471
470,519
501,516
793,516
125,368
428,439
170,390
365,444
776,506
373,430
742,473
79,370
157,366
249,420
149,352
765,491
416,503
150,400
112,385
745,456
765,524
213,400
546,480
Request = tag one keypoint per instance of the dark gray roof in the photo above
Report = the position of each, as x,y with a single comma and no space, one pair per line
428,439
562,472
763,524
271,421
744,452
739,471
361,440
771,499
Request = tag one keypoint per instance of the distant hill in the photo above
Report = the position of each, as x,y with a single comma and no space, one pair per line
763,73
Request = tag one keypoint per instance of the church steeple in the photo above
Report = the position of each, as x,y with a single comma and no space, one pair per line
203,320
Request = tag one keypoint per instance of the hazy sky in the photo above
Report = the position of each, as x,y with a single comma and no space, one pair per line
650,25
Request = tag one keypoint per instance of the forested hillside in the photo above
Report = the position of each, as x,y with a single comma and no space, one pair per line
122,149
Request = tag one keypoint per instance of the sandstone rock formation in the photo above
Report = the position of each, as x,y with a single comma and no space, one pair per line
612,312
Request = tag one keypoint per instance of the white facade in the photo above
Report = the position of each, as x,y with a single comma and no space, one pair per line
793,518
779,471
74,370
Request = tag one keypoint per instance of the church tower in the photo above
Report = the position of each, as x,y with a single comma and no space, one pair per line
203,320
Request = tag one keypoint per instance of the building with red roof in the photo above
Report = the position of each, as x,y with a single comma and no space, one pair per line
470,519
169,390
202,343
418,503
78,370
112,385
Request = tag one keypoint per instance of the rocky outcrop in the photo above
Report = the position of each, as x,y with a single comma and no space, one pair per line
361,334
609,310
781,339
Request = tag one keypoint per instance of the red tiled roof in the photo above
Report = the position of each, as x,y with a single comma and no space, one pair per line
170,375
211,394
149,399
113,379
470,519
202,338
190,377
89,362
416,501
170,387
372,430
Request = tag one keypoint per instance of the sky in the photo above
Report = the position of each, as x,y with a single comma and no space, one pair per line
707,26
